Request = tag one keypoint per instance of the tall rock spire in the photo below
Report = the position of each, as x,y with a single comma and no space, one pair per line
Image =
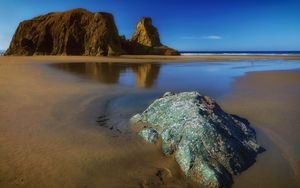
146,34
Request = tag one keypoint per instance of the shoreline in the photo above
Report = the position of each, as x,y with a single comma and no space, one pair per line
140,58
49,130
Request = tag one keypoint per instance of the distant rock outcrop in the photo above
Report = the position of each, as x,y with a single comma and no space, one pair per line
146,34
209,145
80,32
74,32
146,40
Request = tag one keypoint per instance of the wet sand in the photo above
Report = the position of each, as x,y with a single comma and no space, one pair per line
140,58
49,136
270,101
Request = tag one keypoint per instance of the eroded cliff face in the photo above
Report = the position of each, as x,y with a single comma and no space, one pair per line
146,40
80,32
146,34
74,32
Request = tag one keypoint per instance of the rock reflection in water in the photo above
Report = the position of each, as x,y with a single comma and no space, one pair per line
111,73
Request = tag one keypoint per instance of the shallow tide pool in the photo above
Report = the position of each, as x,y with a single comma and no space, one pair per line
211,78
270,109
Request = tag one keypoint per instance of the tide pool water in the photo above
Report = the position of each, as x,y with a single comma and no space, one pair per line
271,109
211,78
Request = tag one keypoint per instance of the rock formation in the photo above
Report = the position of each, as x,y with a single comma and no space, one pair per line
146,34
74,32
146,40
80,32
209,145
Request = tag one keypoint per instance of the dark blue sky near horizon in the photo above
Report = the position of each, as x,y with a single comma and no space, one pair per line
211,25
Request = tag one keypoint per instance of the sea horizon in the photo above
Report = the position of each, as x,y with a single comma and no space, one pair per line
233,53
243,53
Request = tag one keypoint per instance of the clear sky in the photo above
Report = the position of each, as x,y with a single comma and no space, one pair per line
183,24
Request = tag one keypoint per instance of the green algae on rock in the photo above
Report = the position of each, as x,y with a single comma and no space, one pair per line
209,145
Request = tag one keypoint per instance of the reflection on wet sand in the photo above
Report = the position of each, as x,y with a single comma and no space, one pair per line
50,138
146,74
110,73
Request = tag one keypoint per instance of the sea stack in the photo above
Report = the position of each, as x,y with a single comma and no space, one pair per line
146,34
146,40
74,32
80,32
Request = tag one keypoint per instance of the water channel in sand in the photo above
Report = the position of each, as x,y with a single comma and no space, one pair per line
216,79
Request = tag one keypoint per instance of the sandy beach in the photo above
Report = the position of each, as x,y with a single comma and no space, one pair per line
270,101
49,136
141,58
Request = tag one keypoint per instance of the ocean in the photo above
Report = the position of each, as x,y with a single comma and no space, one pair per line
244,53
2,52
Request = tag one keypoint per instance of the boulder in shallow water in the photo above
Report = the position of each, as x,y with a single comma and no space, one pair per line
209,144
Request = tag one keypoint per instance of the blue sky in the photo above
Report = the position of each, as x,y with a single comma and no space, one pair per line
183,24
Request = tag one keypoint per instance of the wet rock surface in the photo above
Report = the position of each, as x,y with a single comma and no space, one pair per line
80,32
209,144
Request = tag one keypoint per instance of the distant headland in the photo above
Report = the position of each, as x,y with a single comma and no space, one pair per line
80,32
